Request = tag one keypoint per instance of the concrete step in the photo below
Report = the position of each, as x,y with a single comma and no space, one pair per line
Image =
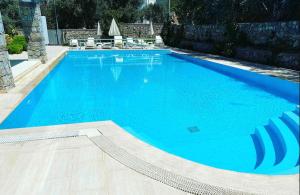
285,143
267,149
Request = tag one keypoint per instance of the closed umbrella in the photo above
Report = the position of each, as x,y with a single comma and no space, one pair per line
99,31
114,30
151,32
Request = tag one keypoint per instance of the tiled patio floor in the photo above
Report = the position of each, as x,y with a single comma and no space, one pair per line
69,166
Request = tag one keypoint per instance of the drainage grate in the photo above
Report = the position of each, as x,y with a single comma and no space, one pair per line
194,129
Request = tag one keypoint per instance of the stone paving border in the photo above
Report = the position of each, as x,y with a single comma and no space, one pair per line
159,165
130,161
177,181
283,73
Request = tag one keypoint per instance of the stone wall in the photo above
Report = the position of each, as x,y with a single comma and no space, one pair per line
69,34
266,34
139,30
6,78
273,33
31,23
275,43
127,30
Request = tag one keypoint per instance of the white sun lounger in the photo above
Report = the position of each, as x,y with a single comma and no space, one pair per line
142,43
159,41
130,42
90,44
118,41
106,45
74,43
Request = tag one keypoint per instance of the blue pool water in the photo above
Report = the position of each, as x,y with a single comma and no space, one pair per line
176,105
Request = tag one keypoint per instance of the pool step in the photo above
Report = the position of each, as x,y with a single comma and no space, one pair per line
292,120
289,142
267,156
277,144
297,110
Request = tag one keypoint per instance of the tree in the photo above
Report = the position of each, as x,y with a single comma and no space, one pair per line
86,13
226,11
10,14
154,12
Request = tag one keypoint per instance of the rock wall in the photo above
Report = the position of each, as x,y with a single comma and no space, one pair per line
31,22
6,78
69,34
275,43
204,32
139,30
273,33
265,34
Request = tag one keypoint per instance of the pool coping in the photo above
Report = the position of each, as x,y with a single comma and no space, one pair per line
157,164
238,182
25,83
279,72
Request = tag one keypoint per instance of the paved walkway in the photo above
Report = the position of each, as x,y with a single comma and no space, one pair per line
283,73
52,51
69,166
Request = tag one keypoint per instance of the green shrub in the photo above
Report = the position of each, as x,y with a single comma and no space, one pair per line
20,40
172,34
229,49
224,48
242,39
14,48
16,44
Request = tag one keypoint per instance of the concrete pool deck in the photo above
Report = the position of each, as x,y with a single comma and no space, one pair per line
102,158
286,74
67,163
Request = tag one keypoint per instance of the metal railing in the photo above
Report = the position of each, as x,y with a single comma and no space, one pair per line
125,42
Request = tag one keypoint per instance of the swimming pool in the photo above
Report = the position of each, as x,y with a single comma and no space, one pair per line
195,109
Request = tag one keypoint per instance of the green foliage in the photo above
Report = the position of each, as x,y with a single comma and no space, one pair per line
225,11
20,40
10,15
224,48
231,32
17,44
242,39
172,34
228,49
15,48
86,13
154,12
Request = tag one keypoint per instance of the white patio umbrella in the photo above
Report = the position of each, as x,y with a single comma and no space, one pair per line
99,31
151,32
114,30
